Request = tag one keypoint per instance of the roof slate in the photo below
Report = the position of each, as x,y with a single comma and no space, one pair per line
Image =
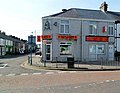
88,14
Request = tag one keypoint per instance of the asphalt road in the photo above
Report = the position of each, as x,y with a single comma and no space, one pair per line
62,82
14,79
12,66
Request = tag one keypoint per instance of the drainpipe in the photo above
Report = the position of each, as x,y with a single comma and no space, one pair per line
81,41
115,35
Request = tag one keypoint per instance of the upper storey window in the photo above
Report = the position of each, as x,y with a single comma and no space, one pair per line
110,30
64,27
92,29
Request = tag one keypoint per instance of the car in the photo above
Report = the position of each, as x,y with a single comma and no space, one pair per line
38,52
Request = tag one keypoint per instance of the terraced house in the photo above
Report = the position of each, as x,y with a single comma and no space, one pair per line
11,45
83,34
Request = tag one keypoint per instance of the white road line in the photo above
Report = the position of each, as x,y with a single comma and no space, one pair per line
113,80
50,73
60,72
1,75
1,67
89,84
75,87
36,73
5,65
107,81
101,82
93,83
72,71
24,74
10,75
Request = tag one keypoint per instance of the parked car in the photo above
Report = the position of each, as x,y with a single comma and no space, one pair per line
38,52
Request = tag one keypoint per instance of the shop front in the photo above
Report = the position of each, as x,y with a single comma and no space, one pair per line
58,48
99,48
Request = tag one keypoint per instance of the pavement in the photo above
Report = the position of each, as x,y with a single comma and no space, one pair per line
38,65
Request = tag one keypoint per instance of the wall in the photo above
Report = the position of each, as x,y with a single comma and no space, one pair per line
80,49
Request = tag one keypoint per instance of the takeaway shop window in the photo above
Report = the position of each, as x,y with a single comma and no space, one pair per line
65,49
92,49
96,49
100,49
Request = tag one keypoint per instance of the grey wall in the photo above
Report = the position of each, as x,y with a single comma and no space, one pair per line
80,47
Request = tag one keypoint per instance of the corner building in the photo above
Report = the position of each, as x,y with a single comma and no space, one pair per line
85,35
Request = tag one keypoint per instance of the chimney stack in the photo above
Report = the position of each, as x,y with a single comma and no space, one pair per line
104,7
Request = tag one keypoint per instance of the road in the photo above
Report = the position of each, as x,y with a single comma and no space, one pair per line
13,66
32,81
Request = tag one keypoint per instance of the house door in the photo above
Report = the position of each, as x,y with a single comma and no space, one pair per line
49,52
111,52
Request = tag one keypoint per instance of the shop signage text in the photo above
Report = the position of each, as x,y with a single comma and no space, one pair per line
67,37
97,38
43,37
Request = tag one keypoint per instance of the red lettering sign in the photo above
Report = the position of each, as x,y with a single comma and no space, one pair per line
97,38
67,37
38,39
44,37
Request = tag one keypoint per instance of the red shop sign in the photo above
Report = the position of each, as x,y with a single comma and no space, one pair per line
97,38
67,37
44,37
38,39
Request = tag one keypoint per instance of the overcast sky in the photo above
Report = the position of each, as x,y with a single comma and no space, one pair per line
21,17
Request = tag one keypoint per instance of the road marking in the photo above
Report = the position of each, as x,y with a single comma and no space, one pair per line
36,73
89,84
93,84
113,80
0,74
62,72
107,80
10,75
101,82
72,71
24,74
50,73
75,87
3,65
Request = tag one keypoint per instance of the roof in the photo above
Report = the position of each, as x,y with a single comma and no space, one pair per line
115,15
87,14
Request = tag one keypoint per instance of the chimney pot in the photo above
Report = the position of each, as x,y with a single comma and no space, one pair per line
64,10
104,7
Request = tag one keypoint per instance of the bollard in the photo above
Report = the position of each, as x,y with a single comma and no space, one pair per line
28,60
101,63
56,63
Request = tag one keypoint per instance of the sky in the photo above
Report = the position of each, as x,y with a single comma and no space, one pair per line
22,17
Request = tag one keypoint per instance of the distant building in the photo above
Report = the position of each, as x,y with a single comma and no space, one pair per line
10,45
32,41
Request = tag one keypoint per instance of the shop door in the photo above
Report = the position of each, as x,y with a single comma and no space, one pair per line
111,52
48,52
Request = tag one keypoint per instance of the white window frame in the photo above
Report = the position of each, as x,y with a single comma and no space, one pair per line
109,30
91,49
64,24
102,51
65,43
96,50
93,31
